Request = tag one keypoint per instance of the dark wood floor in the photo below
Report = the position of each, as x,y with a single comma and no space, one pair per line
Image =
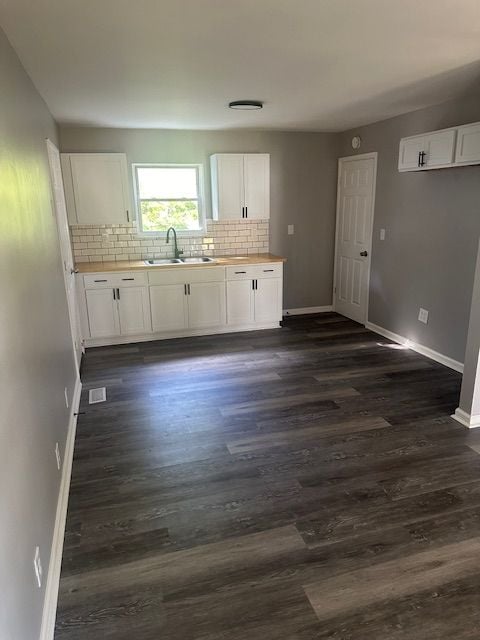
292,484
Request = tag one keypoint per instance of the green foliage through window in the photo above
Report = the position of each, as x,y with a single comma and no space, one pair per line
159,216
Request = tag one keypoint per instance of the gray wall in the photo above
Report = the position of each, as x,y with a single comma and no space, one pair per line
303,189
432,222
36,360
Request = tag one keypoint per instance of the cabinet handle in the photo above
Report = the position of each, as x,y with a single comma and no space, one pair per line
114,296
267,270
188,289
128,216
243,212
100,280
240,272
185,289
118,293
128,278
256,285
246,212
253,285
422,158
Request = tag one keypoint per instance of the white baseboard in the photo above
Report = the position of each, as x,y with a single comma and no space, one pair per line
419,348
472,422
305,310
55,564
189,333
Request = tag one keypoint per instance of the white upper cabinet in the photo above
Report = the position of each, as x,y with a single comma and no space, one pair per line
410,150
96,188
468,144
440,148
428,151
240,186
454,147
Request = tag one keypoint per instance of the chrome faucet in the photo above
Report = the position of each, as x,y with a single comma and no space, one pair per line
176,252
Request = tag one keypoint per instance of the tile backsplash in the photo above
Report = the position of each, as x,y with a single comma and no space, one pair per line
103,243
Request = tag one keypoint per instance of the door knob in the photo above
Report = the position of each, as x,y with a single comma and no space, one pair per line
364,254
72,271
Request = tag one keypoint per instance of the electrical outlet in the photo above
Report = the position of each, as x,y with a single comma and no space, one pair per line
290,229
382,234
66,396
37,566
57,456
423,315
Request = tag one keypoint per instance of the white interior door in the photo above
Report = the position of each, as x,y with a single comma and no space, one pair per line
355,204
65,248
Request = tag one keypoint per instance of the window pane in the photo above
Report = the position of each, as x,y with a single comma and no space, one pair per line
159,216
167,182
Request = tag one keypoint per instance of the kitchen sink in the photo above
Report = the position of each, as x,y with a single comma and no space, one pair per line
196,260
164,261
160,261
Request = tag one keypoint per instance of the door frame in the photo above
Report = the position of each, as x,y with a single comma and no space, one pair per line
373,155
72,305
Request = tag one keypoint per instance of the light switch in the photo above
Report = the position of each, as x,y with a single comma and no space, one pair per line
382,234
291,229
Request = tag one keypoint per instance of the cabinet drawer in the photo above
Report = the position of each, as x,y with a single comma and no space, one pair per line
272,270
180,275
246,272
106,280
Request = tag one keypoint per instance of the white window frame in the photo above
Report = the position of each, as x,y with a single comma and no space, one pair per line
200,194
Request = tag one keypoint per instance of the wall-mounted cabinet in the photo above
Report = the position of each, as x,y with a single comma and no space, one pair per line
240,186
96,188
454,147
468,144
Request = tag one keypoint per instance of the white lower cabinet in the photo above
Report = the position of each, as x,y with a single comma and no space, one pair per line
206,305
240,304
102,313
254,294
169,307
268,300
177,301
133,310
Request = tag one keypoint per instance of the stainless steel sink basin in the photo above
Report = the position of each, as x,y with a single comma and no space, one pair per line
163,261
196,260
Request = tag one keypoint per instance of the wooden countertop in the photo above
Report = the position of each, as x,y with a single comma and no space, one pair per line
134,265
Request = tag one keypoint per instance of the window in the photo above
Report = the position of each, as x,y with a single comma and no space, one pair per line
168,196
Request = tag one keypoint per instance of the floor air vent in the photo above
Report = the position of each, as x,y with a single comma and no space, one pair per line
97,395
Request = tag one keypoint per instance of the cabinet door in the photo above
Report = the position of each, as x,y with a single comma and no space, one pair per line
102,313
240,309
206,305
468,144
100,193
439,148
228,193
169,307
409,150
133,310
257,185
268,300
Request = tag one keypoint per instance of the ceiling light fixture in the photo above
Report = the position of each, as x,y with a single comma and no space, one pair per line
246,105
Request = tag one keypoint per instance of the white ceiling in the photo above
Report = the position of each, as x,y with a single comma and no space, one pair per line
317,64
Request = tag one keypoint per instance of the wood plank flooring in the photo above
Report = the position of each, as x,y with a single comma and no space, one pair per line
295,484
